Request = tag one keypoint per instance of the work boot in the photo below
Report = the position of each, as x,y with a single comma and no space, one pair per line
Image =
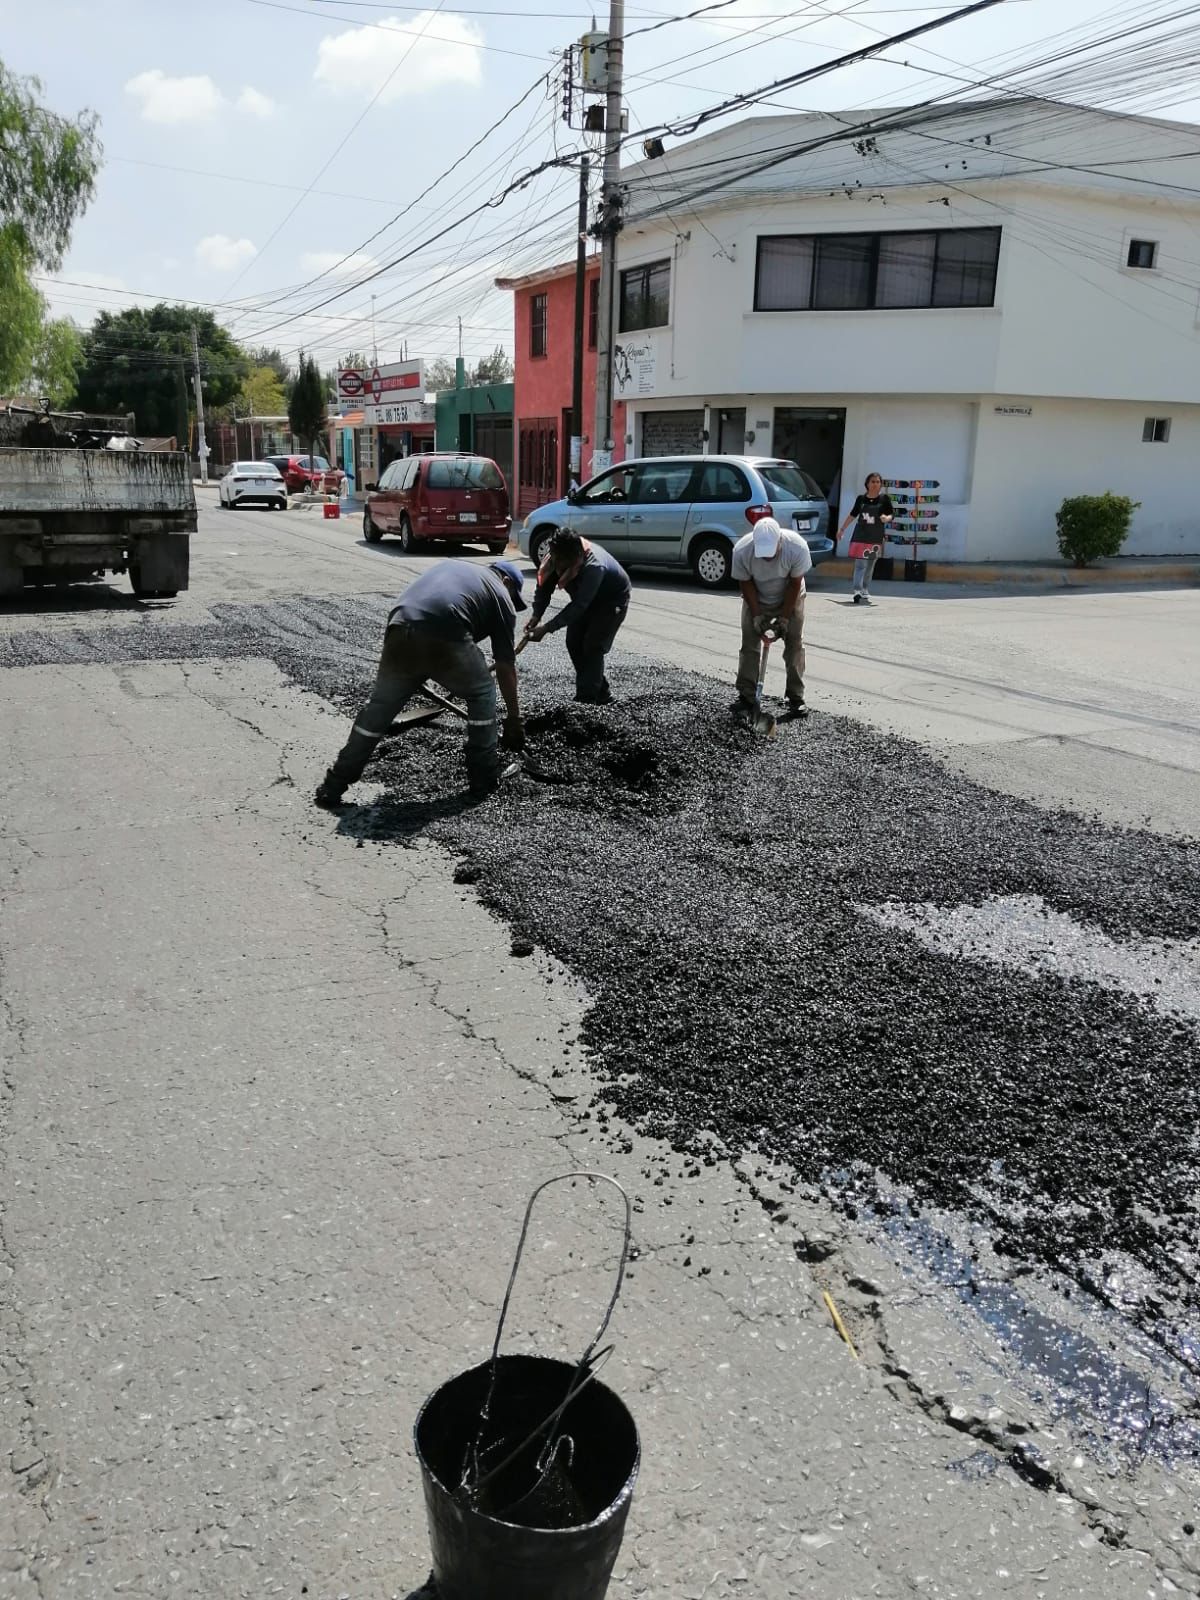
602,697
482,784
796,706
329,793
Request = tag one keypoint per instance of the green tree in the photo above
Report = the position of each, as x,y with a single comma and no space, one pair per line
496,368
439,375
262,393
54,365
48,167
307,405
271,356
132,361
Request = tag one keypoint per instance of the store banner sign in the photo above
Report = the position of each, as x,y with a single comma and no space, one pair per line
634,368
375,384
397,413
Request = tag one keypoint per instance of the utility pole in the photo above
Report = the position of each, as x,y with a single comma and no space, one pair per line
609,227
201,441
374,343
581,245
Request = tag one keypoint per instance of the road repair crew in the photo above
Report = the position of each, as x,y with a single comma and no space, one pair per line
599,590
433,633
769,564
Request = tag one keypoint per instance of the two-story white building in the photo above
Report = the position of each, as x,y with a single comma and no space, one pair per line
999,299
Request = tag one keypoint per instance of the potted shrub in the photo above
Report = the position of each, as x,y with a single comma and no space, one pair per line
1091,526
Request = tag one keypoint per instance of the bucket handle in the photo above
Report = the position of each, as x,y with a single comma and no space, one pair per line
565,1177
586,1368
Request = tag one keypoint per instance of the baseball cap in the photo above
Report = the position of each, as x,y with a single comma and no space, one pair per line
767,534
511,573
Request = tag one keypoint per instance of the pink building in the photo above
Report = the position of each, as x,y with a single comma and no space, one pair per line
543,361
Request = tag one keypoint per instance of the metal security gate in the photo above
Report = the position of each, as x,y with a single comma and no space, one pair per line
672,433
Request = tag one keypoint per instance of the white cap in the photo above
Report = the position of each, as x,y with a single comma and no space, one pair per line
767,534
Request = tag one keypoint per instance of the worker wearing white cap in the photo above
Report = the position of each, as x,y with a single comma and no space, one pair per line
769,564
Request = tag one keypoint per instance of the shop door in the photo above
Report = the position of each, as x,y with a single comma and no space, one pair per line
812,437
537,463
731,431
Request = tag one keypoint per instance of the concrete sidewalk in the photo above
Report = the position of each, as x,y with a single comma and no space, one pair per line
276,1096
1145,572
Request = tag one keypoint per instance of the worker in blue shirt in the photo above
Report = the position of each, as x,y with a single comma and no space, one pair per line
598,588
434,632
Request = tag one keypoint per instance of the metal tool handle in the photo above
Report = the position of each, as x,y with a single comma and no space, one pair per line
589,1363
566,1177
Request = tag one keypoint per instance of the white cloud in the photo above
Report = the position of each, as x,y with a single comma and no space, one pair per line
256,104
222,253
170,100
314,262
359,60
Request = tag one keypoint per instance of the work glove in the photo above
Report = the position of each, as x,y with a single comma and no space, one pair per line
513,735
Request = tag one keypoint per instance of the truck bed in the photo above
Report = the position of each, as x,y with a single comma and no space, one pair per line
50,483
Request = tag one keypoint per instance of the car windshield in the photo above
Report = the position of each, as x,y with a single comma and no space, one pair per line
315,463
264,469
788,481
464,472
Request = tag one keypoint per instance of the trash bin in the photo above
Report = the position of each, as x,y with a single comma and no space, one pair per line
885,569
528,1466
914,571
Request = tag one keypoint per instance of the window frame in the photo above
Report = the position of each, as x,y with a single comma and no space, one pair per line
931,304
1133,244
539,324
1156,430
644,270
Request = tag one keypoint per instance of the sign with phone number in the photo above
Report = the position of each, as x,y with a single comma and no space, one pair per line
403,413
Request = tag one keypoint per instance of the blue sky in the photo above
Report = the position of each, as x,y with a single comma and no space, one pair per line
250,145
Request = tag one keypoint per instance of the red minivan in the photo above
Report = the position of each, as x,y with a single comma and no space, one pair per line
456,498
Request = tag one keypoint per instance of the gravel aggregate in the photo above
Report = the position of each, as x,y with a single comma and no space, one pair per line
709,888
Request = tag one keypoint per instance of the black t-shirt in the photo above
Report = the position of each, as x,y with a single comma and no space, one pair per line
455,601
868,509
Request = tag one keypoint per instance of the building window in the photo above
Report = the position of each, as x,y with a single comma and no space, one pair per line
872,271
539,312
1156,430
1143,253
646,296
593,313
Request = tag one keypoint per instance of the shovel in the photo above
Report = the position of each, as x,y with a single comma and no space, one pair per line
763,721
417,716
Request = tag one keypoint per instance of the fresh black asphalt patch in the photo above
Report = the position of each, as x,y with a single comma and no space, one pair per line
703,883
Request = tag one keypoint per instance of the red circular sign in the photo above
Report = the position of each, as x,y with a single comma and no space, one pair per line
351,382
376,385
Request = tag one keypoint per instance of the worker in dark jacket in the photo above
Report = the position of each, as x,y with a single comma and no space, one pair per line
598,587
433,633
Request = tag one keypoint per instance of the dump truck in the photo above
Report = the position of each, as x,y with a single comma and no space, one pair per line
80,498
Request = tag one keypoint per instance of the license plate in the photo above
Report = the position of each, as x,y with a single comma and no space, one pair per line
263,483
805,524
468,516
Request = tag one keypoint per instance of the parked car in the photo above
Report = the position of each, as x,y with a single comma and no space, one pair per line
458,499
299,472
247,482
685,511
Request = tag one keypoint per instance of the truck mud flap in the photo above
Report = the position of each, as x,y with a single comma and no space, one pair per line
158,566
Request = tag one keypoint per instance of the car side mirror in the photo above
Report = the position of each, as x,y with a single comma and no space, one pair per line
572,495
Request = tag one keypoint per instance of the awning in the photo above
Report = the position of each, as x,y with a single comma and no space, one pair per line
352,419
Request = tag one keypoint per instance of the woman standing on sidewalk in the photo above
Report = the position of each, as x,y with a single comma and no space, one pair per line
873,511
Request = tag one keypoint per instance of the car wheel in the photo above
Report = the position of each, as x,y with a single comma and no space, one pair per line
539,543
712,562
408,539
497,549
371,533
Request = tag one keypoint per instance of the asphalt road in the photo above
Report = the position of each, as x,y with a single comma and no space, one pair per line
275,1091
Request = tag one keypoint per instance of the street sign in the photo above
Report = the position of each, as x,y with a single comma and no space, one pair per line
397,413
350,382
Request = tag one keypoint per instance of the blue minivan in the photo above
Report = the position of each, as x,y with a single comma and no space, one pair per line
685,511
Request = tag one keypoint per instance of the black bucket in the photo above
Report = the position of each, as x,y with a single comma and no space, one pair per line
528,1466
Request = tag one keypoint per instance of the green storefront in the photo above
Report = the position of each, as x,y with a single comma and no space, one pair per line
479,420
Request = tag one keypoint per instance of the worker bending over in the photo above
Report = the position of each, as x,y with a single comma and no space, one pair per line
433,633
599,588
769,564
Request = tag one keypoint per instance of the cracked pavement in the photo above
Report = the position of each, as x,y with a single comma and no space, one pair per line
273,1100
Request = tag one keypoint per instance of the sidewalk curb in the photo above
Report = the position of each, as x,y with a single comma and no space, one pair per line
1180,574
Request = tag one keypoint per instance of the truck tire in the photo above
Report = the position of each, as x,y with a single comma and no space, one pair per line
139,589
